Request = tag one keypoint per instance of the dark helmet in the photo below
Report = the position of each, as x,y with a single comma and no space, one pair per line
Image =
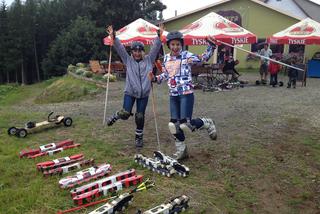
137,46
175,35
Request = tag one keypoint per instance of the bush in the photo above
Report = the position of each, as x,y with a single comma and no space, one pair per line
80,71
80,65
112,78
88,74
71,68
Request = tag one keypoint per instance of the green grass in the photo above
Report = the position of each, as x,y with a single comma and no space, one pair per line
66,89
237,177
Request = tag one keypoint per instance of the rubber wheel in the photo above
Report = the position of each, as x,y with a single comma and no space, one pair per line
22,133
67,121
12,131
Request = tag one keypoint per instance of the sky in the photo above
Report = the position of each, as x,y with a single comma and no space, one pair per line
182,6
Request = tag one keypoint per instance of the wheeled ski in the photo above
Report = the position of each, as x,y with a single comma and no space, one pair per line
174,206
162,164
179,168
114,187
154,165
86,175
102,182
117,205
44,148
68,168
47,165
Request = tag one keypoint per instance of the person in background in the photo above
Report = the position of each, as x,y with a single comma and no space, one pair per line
229,68
292,74
274,69
264,63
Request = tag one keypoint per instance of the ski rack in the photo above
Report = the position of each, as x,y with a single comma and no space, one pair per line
86,175
68,168
54,151
116,205
103,182
44,148
47,165
114,187
154,165
174,206
162,164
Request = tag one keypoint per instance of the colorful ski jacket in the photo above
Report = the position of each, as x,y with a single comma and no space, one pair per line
177,70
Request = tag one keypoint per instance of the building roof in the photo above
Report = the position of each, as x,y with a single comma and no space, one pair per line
261,2
312,9
289,6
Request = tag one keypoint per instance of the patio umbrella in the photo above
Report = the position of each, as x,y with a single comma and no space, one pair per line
218,27
305,32
139,30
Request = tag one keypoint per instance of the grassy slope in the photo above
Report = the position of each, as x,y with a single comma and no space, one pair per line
66,89
234,180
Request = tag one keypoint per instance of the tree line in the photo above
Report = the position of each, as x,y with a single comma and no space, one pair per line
40,38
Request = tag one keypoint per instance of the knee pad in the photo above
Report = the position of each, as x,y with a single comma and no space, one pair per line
123,114
173,126
139,118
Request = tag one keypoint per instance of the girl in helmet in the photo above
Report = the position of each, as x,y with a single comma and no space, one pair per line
138,85
177,71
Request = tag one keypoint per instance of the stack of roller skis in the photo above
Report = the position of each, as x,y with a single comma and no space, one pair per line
162,164
48,149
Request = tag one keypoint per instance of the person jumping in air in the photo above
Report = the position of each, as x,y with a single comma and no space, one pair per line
138,85
177,71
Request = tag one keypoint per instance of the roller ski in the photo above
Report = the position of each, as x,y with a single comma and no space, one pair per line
45,148
60,162
174,206
105,190
179,168
117,205
122,201
154,165
68,168
55,151
147,184
86,175
162,164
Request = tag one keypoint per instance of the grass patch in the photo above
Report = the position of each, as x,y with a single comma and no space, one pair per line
13,94
65,89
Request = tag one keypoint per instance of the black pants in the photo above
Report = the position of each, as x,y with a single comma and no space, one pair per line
273,79
292,81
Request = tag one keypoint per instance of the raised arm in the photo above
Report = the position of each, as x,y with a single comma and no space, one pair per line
193,59
117,45
156,45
